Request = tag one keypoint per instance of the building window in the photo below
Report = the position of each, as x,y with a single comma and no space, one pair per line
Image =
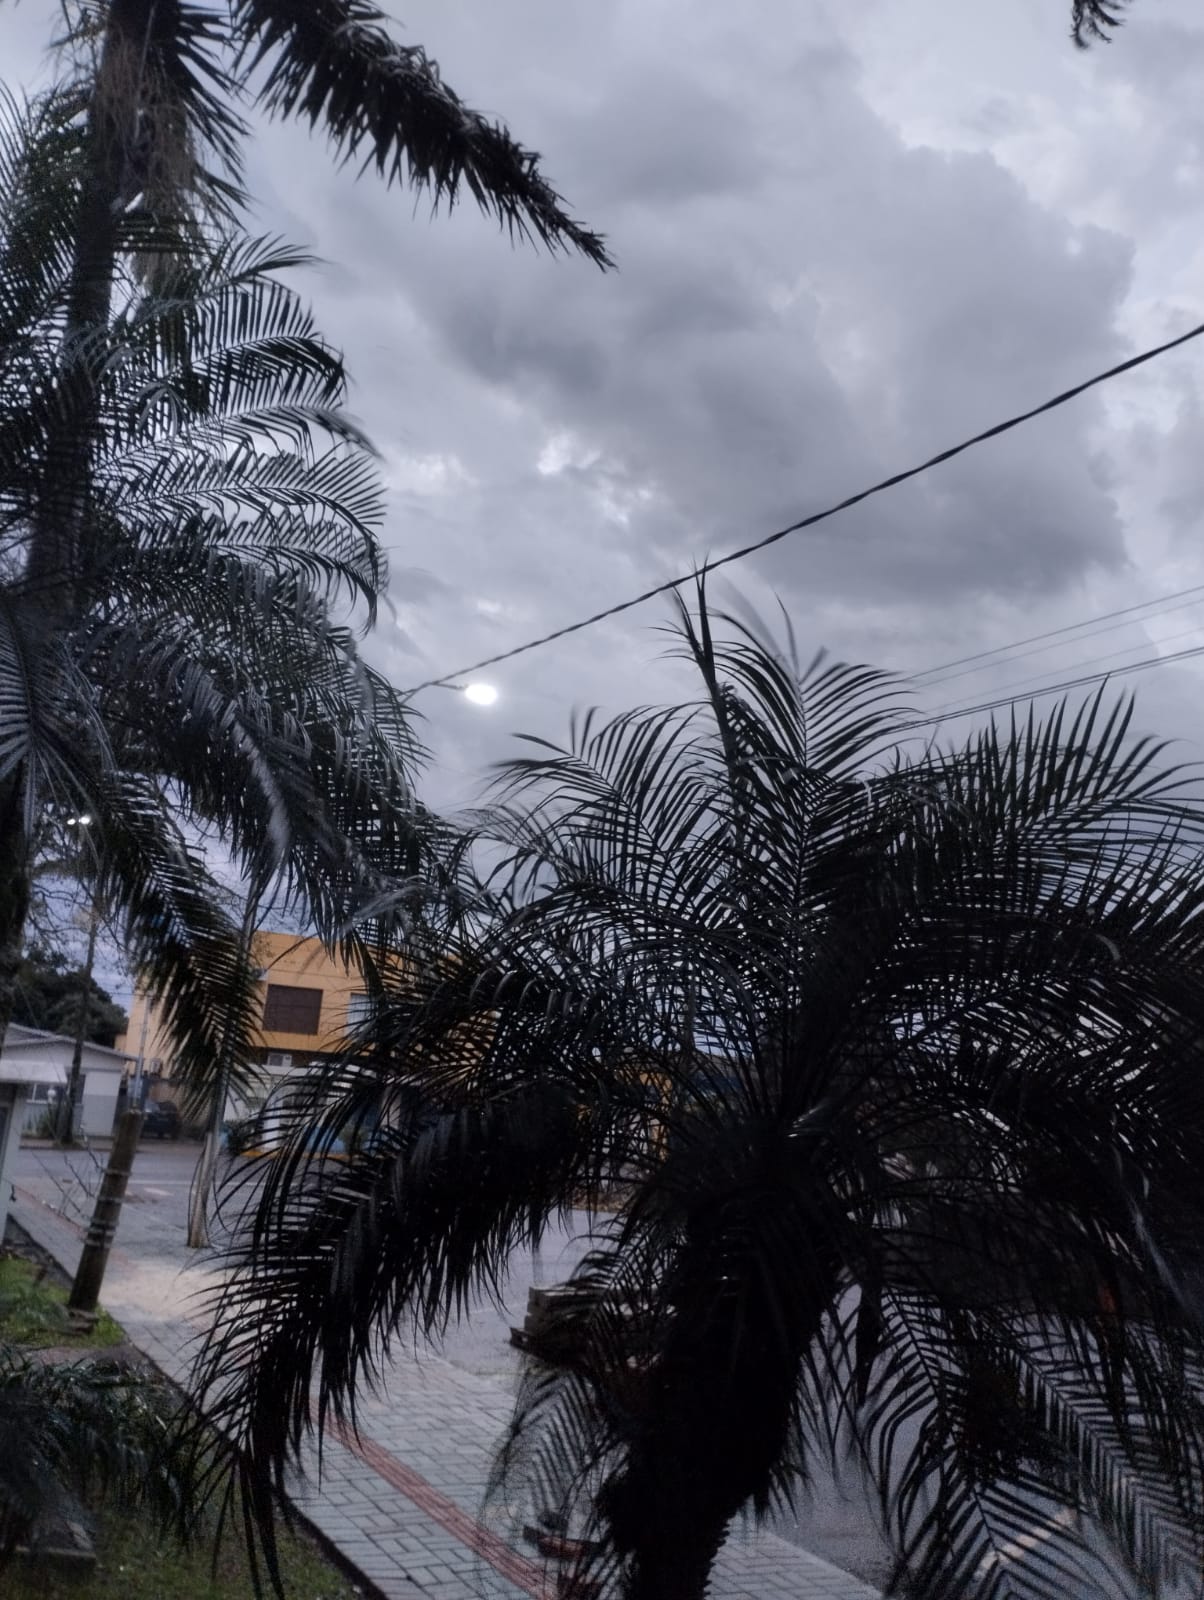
290,1010
359,1009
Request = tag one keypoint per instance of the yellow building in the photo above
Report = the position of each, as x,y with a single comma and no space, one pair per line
308,1003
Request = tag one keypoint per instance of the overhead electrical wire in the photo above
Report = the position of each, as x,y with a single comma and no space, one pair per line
672,584
1081,666
1084,681
1054,638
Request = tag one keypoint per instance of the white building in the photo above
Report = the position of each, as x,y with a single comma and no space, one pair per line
34,1069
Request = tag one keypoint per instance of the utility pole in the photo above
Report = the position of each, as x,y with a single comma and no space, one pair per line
72,1097
140,1065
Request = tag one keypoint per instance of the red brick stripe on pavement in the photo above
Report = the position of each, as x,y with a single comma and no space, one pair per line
516,1569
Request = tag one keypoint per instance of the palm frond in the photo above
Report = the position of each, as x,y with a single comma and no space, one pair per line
1095,20
81,1431
336,63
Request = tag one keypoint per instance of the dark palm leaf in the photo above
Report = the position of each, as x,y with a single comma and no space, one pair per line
84,1431
335,62
166,82
1092,20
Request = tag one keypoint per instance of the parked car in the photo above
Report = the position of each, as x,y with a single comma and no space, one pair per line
161,1119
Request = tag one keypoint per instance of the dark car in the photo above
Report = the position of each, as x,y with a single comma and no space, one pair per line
161,1119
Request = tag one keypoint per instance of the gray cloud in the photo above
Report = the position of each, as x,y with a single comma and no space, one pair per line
768,348
846,238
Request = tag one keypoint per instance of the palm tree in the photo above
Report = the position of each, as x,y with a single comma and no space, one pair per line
896,1058
84,1430
1094,20
192,670
158,90
162,85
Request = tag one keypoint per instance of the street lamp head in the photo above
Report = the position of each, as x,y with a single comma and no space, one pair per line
481,694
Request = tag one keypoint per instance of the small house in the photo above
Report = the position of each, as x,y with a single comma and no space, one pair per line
34,1071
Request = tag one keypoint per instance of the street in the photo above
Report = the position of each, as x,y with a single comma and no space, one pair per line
152,1237
153,1230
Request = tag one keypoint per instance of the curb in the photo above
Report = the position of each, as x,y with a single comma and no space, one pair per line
291,1511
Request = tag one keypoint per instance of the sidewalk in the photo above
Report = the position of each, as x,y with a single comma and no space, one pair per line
405,1502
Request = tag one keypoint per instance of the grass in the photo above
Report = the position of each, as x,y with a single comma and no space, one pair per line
133,1563
33,1312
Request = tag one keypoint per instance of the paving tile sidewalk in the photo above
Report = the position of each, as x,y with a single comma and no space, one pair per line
405,1501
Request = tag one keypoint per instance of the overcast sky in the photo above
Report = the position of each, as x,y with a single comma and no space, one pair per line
846,236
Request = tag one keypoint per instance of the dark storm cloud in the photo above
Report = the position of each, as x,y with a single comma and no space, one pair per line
845,240
677,142
768,347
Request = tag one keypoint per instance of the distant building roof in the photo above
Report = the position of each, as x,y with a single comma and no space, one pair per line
29,1041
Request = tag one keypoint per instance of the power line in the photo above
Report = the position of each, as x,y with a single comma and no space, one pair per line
880,487
1010,689
943,674
1053,688
1006,660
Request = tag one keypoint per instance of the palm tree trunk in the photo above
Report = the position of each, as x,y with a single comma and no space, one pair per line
55,574
57,554
707,1443
717,1417
676,1563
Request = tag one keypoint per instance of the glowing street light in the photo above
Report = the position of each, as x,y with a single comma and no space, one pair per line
481,694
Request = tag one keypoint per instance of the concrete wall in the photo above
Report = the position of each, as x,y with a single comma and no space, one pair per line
12,1115
99,1103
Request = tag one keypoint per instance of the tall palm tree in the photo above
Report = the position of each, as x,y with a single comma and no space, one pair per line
192,670
162,86
896,1056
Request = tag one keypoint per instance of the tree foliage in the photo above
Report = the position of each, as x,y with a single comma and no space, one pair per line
85,1431
188,665
48,993
896,1056
187,514
1094,20
170,84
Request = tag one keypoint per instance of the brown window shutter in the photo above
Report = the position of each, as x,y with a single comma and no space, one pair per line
290,1010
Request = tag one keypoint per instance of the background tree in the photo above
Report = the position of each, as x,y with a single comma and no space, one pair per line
898,1058
47,996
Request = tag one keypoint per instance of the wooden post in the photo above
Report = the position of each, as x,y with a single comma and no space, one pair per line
98,1241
